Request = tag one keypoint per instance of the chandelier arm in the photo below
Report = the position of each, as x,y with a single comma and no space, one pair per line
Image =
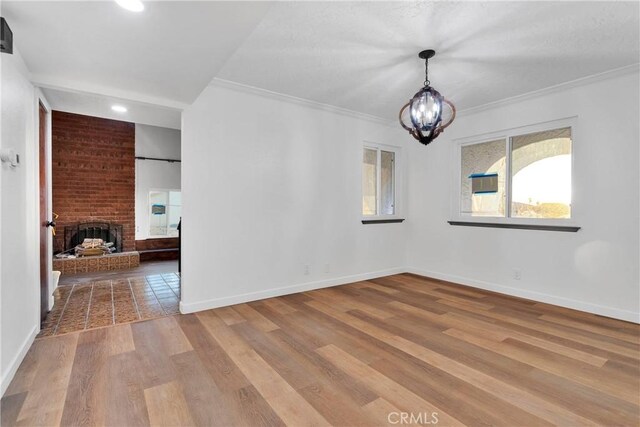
453,115
400,118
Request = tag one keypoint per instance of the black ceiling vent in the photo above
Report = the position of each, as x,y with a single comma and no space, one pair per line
6,37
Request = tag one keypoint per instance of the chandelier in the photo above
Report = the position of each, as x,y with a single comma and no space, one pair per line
426,108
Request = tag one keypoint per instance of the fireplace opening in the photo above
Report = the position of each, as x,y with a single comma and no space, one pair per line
76,234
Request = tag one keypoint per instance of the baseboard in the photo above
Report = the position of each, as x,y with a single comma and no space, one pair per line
601,310
276,292
17,360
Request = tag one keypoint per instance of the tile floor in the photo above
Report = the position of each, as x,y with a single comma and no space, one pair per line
108,302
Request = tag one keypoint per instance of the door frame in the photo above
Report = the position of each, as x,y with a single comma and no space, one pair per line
41,99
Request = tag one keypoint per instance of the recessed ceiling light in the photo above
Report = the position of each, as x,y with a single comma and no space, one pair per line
132,5
119,108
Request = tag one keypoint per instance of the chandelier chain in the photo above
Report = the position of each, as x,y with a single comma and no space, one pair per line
426,73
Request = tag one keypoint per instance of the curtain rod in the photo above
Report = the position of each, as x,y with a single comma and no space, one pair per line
160,160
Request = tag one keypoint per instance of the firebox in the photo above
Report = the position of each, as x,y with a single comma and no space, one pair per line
76,233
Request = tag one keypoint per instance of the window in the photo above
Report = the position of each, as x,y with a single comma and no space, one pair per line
379,182
523,174
165,209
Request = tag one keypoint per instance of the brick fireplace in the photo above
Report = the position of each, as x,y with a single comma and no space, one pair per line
93,171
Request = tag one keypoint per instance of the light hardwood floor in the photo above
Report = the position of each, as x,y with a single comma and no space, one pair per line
358,354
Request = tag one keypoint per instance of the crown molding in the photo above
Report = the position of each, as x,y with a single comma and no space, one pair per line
611,74
227,84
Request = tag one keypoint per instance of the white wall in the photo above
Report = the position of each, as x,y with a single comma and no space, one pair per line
595,269
266,194
19,294
158,142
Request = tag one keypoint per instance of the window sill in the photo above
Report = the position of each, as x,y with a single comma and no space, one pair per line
565,228
382,221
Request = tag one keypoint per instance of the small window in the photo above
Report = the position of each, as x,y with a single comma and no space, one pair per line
525,175
379,183
165,210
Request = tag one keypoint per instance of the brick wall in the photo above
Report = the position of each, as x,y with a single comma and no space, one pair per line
93,173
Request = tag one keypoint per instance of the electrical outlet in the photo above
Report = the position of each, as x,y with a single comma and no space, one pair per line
517,274
307,269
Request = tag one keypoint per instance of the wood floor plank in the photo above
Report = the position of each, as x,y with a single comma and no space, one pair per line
120,339
373,285
219,365
230,315
420,287
44,403
167,405
558,365
85,400
527,401
325,373
255,318
173,338
388,389
383,410
539,407
346,301
434,382
28,369
629,336
475,325
265,385
262,376
510,370
207,403
278,305
593,340
153,355
125,391
348,355
10,407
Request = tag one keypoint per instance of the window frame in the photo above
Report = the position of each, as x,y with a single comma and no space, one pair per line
397,182
166,190
507,135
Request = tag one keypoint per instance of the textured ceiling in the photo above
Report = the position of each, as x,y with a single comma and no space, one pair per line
363,56
355,55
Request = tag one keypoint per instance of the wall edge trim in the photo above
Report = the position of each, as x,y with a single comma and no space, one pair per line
583,306
17,360
228,84
284,290
582,81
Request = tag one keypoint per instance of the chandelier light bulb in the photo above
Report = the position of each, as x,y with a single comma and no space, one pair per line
426,108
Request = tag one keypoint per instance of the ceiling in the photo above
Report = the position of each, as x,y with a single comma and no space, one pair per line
360,56
165,55
100,106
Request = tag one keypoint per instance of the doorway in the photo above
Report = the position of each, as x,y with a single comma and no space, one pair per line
45,223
